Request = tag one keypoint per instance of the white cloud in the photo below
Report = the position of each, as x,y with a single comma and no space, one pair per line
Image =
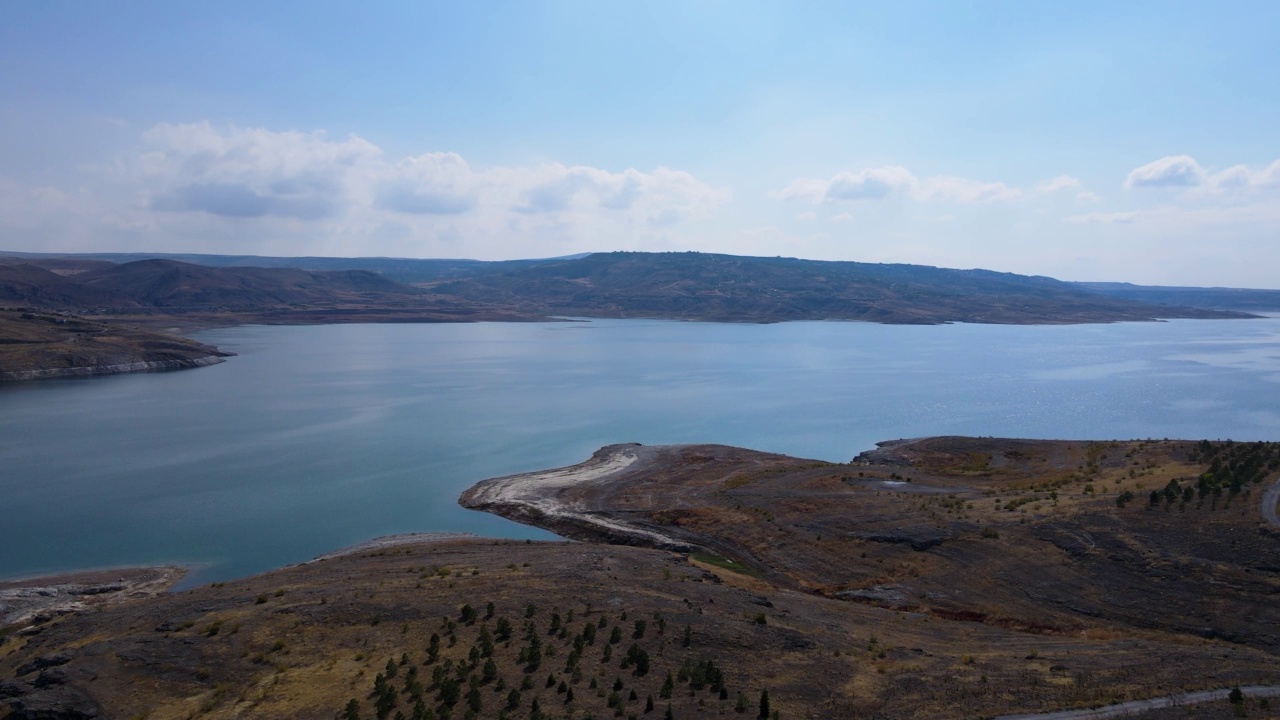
1087,196
964,190
249,173
662,197
1062,182
231,189
807,217
1170,171
869,184
891,180
1243,178
429,184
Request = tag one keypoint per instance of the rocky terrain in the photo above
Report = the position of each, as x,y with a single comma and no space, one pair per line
1065,534
29,603
935,578
38,345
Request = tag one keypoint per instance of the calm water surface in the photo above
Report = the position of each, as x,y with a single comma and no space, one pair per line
318,437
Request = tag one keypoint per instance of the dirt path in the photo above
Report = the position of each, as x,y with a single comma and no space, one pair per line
1137,706
1269,500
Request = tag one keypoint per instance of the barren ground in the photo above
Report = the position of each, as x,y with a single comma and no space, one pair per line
937,578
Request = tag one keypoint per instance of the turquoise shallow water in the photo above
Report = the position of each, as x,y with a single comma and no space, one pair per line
318,437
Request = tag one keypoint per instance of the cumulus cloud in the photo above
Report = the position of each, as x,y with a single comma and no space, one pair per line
201,179
1182,171
248,173
429,184
1171,171
1242,177
1062,182
870,184
964,190
891,180
662,197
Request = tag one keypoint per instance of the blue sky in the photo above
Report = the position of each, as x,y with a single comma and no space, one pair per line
1092,141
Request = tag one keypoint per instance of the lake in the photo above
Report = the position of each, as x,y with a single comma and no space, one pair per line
314,438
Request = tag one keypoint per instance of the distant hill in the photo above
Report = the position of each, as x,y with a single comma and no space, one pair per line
700,286
176,286
1216,298
402,270
172,284
689,286
28,285
58,265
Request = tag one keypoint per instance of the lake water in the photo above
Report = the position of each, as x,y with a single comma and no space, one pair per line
314,438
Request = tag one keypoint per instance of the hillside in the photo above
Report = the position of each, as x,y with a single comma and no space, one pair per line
689,286
27,285
401,270
1241,299
699,286
684,286
94,319
36,346
936,578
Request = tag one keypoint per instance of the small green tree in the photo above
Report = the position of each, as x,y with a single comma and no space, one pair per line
468,614
668,686
352,711
764,705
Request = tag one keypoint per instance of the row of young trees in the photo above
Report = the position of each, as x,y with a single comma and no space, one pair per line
480,680
1231,466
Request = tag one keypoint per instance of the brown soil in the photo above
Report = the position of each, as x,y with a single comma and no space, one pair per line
844,595
35,345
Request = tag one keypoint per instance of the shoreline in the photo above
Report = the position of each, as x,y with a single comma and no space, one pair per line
387,542
32,601
140,366
201,323
532,498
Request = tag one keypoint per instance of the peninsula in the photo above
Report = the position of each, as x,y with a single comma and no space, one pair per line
940,577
